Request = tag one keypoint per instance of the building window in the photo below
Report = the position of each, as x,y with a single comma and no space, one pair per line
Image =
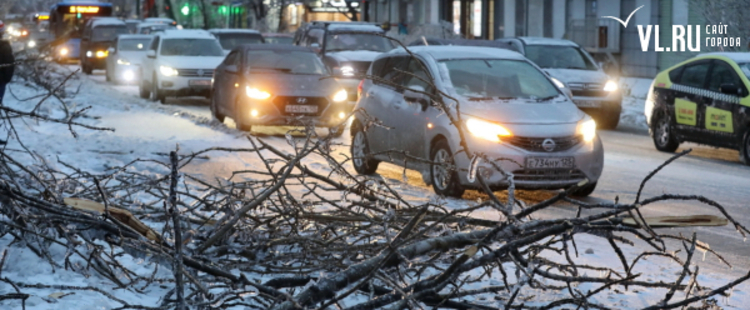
477,18
457,17
521,10
292,14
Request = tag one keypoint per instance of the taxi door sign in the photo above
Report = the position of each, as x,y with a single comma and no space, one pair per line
719,120
685,112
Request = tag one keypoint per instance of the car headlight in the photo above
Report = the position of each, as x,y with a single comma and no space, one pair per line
64,51
347,71
256,93
486,130
128,75
610,86
101,54
557,82
340,96
168,71
587,129
89,54
32,43
123,61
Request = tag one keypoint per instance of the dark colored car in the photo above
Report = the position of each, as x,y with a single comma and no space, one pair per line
346,48
96,40
278,38
274,84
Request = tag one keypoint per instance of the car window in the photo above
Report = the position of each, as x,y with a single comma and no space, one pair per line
133,44
314,36
392,71
745,67
721,73
154,44
281,61
191,47
378,65
559,56
497,79
278,40
695,75
231,59
357,42
675,74
229,41
418,76
108,33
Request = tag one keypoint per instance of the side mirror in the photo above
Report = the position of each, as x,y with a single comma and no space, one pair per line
151,54
315,47
415,93
729,88
231,69
111,50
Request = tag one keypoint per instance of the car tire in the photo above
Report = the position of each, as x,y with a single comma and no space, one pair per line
143,91
362,160
610,116
444,182
156,94
585,190
662,133
745,148
239,111
214,109
86,69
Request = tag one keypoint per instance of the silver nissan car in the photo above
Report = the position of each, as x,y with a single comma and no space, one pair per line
510,111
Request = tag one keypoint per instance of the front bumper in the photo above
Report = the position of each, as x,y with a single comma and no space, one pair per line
612,101
270,113
588,164
180,86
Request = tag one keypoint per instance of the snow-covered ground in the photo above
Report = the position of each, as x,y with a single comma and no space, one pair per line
148,130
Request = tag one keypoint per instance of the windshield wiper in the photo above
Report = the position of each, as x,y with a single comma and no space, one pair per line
490,98
546,98
274,69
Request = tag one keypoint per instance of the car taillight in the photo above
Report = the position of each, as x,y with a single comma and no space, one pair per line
359,88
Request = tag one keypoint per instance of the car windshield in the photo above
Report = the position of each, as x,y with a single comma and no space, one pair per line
357,42
133,44
291,62
279,40
229,41
108,33
559,56
497,79
191,47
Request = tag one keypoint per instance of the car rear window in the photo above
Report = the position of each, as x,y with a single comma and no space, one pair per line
191,47
229,41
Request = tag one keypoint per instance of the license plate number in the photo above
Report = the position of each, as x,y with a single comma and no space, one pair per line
294,108
550,162
200,82
588,103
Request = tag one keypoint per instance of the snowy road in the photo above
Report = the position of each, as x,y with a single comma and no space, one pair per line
144,129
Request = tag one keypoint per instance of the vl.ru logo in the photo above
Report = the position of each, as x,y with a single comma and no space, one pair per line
682,36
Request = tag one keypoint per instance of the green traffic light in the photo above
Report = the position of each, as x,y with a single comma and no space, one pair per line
185,9
223,10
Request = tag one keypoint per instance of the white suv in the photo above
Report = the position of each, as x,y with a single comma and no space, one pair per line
180,63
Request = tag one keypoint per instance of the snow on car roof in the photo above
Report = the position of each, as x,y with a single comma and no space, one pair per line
736,56
135,36
354,27
440,52
546,41
186,34
227,30
107,22
144,25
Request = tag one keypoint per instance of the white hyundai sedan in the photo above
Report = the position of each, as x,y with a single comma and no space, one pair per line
180,63
510,112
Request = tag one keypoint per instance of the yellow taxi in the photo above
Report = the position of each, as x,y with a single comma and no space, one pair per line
704,100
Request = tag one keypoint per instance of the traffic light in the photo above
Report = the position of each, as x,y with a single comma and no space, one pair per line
185,9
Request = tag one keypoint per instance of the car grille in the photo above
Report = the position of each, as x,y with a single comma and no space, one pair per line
282,101
196,72
548,175
537,144
588,89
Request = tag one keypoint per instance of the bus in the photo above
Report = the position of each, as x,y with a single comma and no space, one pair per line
66,22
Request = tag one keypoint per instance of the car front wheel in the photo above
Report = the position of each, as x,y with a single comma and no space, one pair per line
585,190
240,115
361,159
663,135
143,90
156,94
610,116
215,109
443,171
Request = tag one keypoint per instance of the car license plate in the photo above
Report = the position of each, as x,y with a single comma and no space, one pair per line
294,108
550,162
199,82
587,103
